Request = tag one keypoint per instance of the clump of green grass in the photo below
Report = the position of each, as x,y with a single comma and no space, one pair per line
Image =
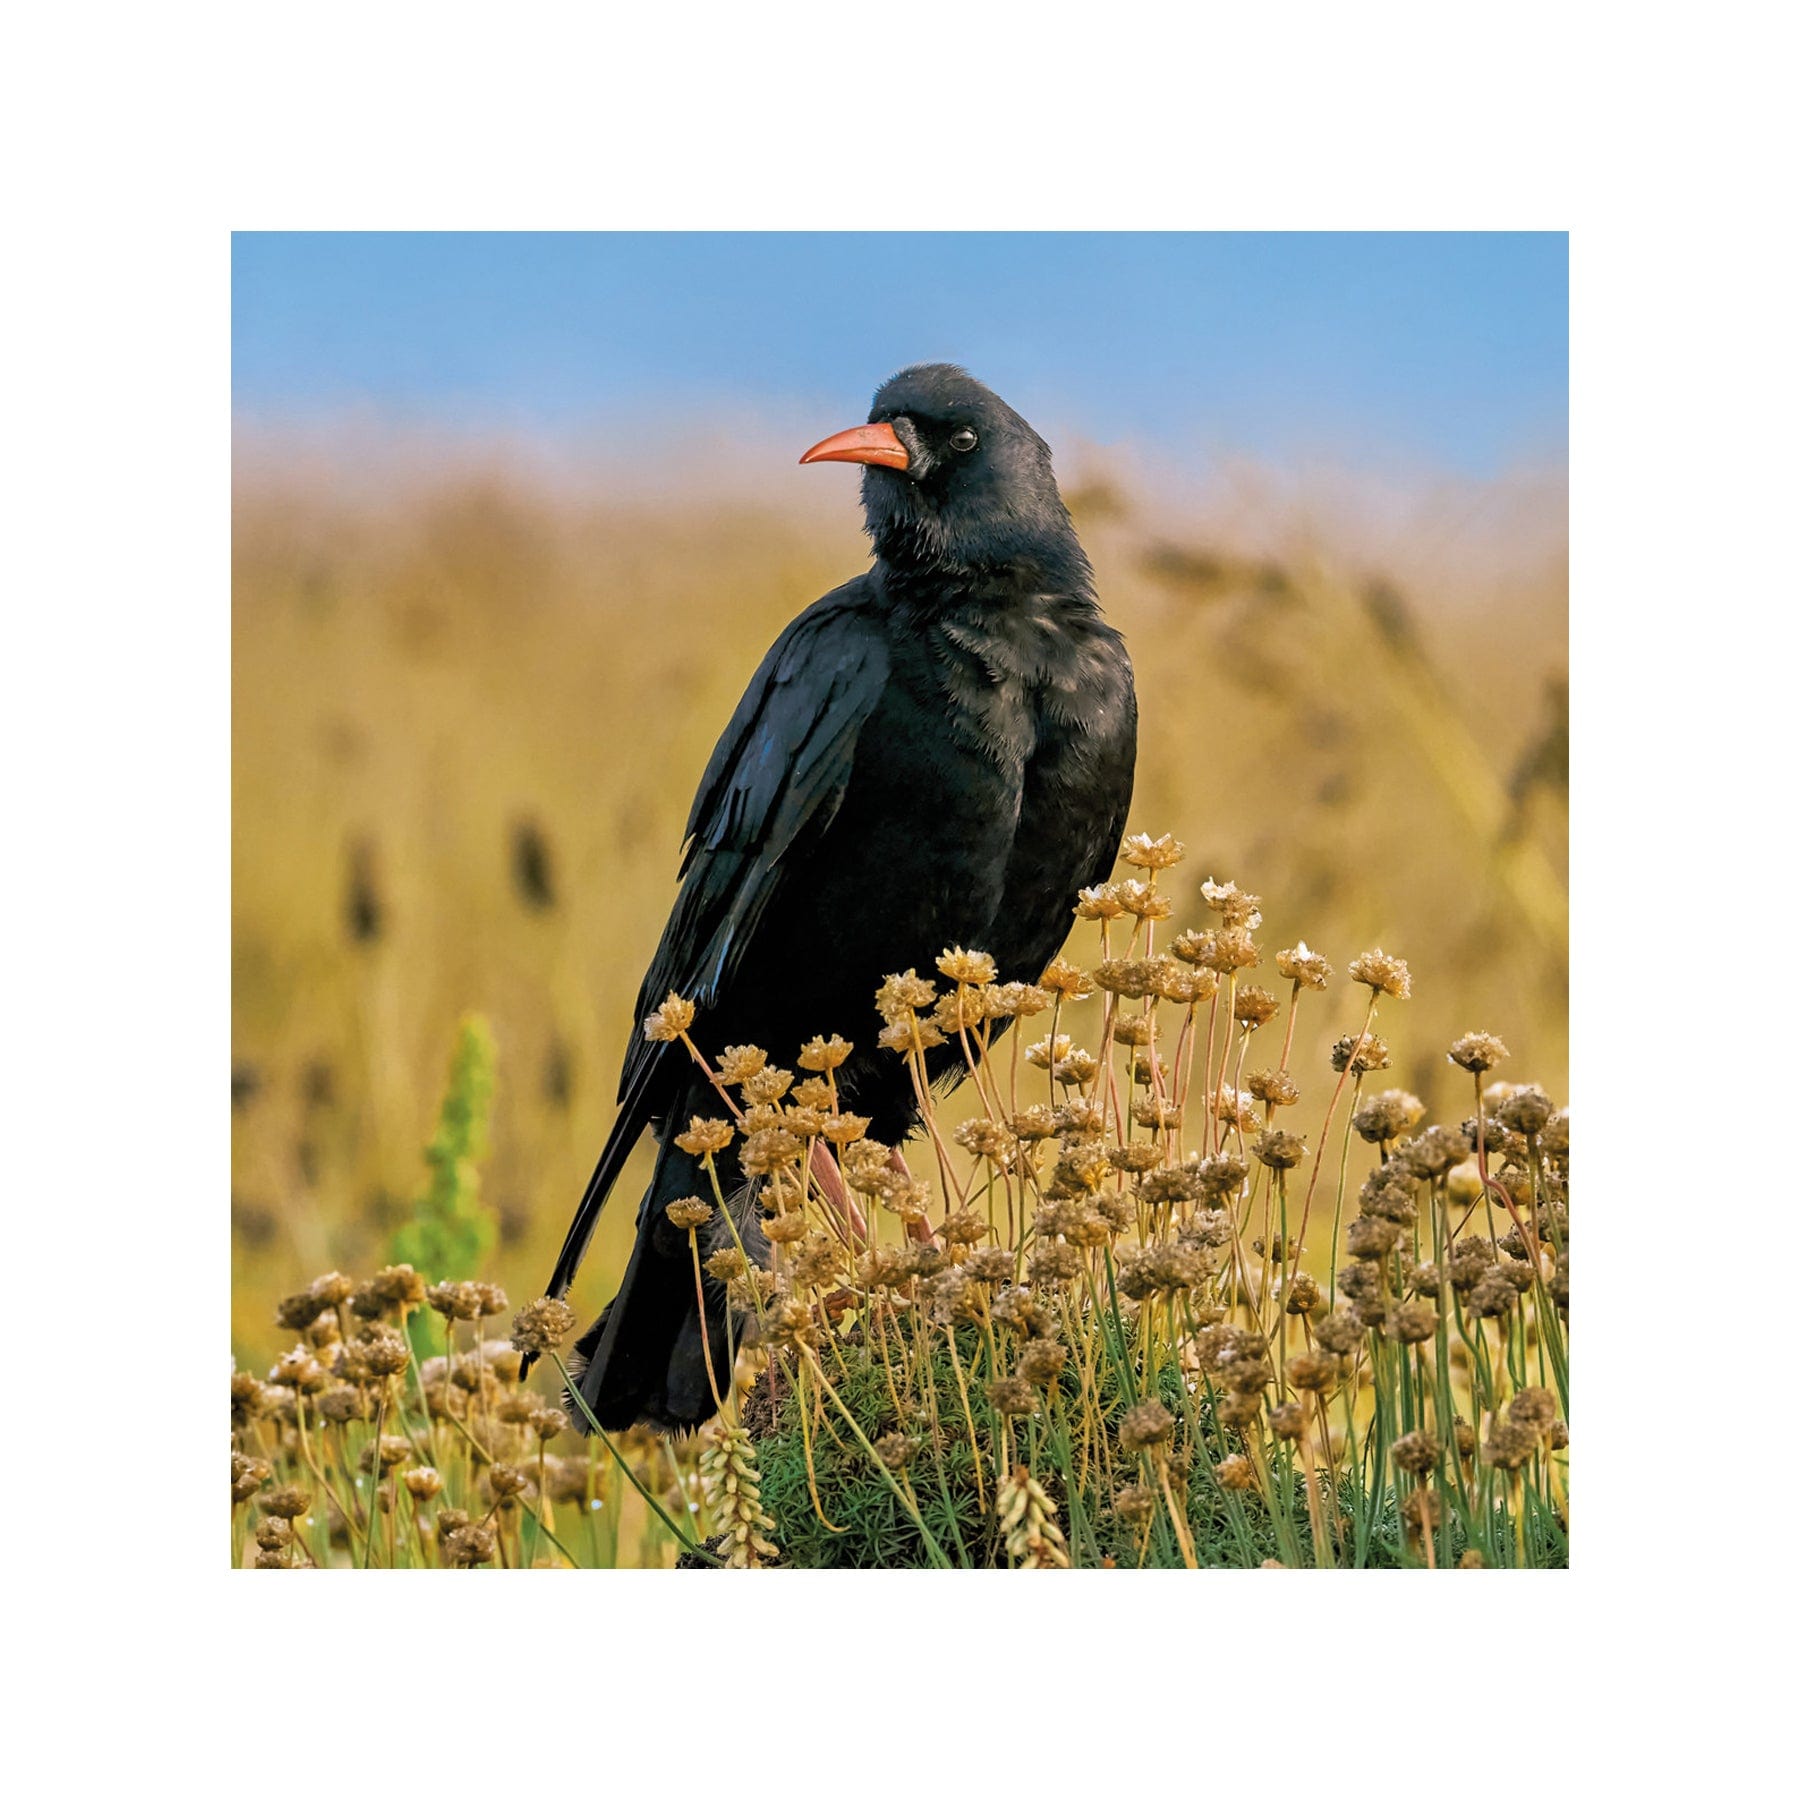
451,1231
1131,1316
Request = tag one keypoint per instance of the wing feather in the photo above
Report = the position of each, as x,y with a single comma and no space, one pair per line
772,786
774,783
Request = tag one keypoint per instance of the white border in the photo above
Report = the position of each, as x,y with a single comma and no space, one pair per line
143,135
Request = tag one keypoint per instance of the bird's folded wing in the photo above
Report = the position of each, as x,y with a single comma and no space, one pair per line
775,782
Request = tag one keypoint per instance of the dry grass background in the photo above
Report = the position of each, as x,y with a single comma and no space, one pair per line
470,707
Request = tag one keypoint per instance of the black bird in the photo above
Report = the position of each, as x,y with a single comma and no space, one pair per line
938,753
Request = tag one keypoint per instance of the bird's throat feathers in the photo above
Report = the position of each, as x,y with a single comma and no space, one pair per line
931,564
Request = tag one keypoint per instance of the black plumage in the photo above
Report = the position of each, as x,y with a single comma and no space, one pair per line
938,753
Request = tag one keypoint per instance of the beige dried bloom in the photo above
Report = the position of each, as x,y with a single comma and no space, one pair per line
669,1020
1236,1474
1382,973
738,1062
1143,901
975,967
705,1137
1253,1007
539,1326
1142,851
1305,966
1062,978
899,996
768,1086
1279,1149
1359,1053
1098,902
1478,1051
1234,906
821,1054
1144,1425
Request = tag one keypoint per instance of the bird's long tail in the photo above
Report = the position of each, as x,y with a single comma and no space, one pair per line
644,1360
628,1127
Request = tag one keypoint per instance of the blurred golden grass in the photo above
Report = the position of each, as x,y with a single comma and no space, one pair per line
469,714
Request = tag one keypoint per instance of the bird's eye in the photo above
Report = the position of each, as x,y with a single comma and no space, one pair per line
964,440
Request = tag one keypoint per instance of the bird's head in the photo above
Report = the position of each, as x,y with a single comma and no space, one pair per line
955,482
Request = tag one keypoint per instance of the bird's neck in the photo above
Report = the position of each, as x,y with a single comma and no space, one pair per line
920,578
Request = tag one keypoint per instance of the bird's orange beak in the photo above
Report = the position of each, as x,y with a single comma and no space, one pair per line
861,444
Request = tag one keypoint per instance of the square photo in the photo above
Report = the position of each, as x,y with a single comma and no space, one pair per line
900,901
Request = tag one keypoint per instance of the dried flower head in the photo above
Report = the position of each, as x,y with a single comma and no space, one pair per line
1288,1420
1142,900
705,1137
454,1299
846,1128
1388,1115
767,1086
1012,1395
1053,1263
901,996
1310,1371
738,1062
1302,1296
1254,1007
380,1351
1233,905
896,1449
1063,979
1279,1149
1360,1054
767,1152
1492,1297
1273,1087
669,1020
399,1286
1370,1238
1231,950
1412,1322
1383,974
1305,966
688,1215
820,1054
1509,1445
1098,902
1528,1111
1135,1505
540,1326
423,1483
1423,1509
294,1312
1146,1424
975,967
1337,1332
469,1545
1237,1475
1478,1051
1221,1176
1142,851
1534,1407
288,1502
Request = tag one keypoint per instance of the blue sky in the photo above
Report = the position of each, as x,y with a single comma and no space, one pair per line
1444,349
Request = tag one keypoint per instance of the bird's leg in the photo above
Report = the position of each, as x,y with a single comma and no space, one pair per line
835,1194
918,1229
